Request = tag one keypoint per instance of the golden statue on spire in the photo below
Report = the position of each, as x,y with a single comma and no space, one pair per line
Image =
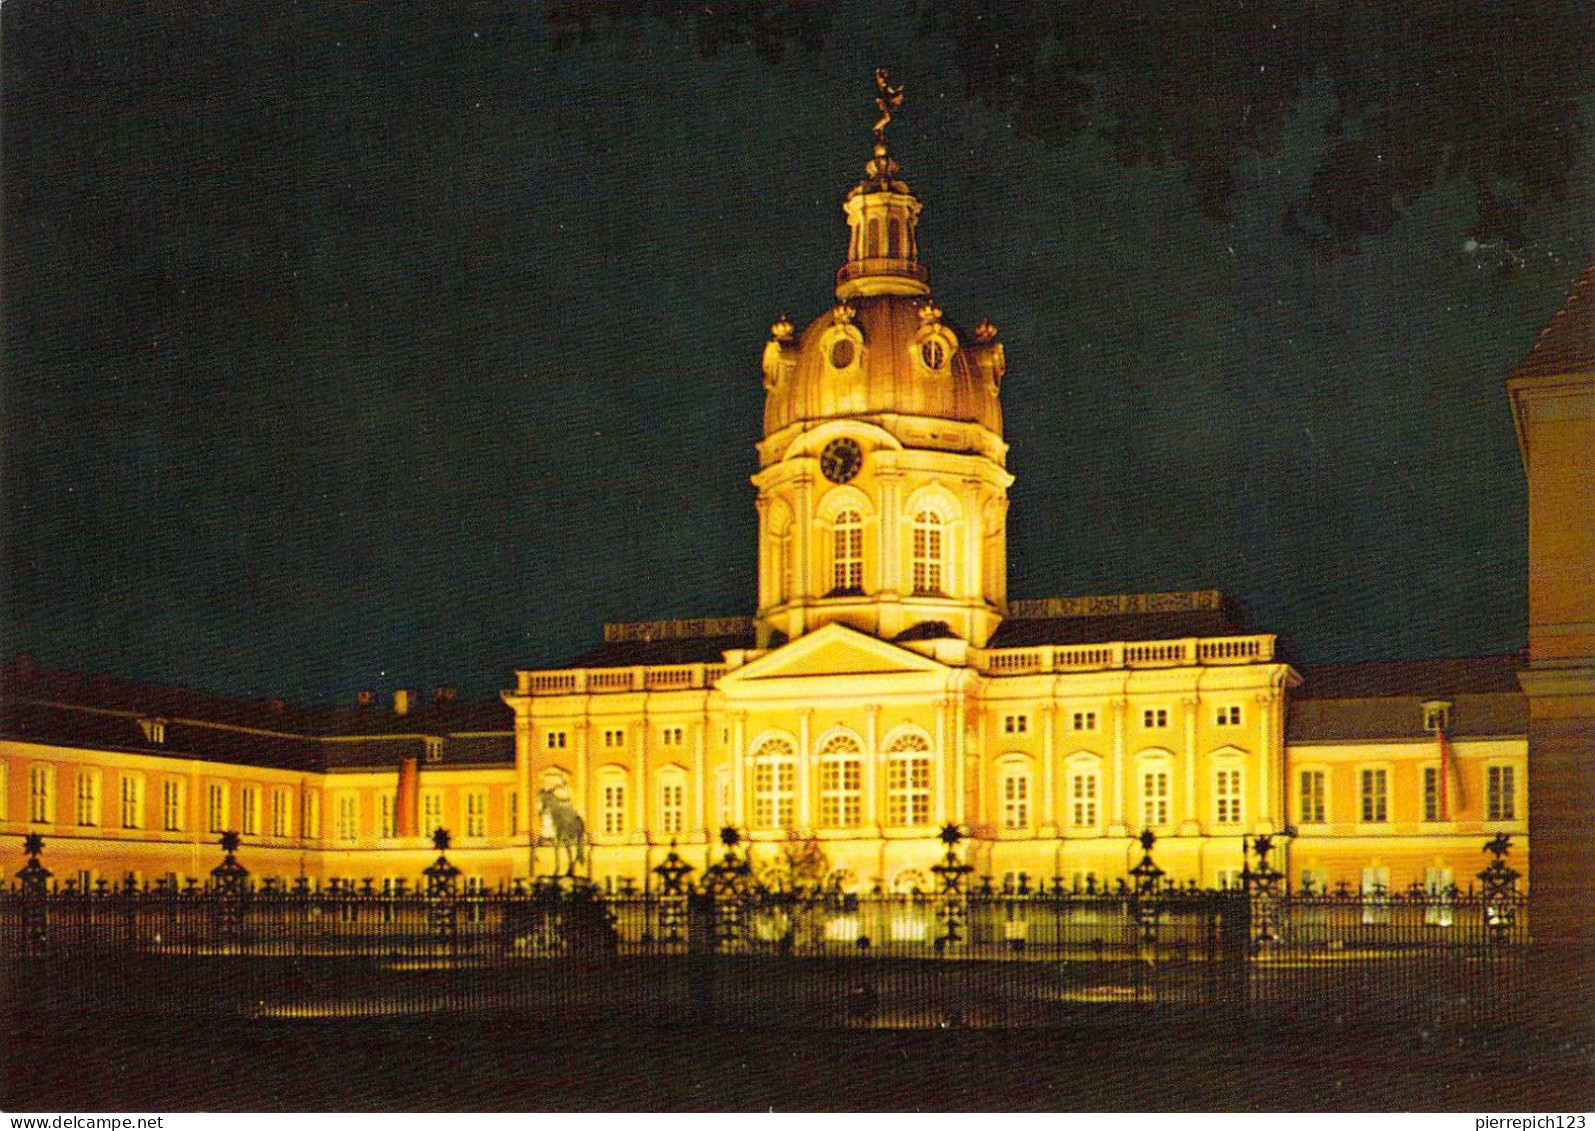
889,99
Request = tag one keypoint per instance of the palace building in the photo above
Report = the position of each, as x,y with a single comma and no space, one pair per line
885,686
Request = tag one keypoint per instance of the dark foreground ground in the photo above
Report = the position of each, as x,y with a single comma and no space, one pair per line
457,1064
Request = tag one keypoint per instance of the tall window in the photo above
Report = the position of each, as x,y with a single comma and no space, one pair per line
672,803
216,808
1375,796
132,801
1083,799
847,553
1015,799
512,816
387,815
1155,797
172,805
41,794
1431,793
841,783
88,797
279,812
348,817
908,781
475,812
927,552
1501,794
249,802
1312,797
1227,797
431,811
774,779
310,821
613,796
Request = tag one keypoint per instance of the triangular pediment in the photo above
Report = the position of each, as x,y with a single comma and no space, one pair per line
834,650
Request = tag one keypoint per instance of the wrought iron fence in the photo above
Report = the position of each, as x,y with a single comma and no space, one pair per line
1017,953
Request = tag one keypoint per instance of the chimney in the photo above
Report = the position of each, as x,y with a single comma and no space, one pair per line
403,699
365,698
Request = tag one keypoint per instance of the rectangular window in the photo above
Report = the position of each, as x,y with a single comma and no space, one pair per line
1016,801
475,812
387,815
348,817
41,794
1227,794
432,747
249,803
88,797
310,821
1155,717
1155,798
615,737
1431,793
841,797
1085,720
1375,796
132,801
216,808
671,736
773,782
172,816
554,740
614,808
672,806
1437,897
1229,716
279,812
1083,800
431,811
1501,794
1016,724
908,791
1376,895
512,819
1312,797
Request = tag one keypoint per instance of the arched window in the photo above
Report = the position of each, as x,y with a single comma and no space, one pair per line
841,775
874,238
847,553
894,239
1015,794
908,781
612,801
928,542
774,779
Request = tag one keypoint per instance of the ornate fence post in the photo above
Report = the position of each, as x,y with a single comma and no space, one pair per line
950,875
1499,891
442,916
730,887
1262,888
230,890
35,890
1145,905
672,873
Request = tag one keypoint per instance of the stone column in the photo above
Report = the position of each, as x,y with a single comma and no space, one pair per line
1120,822
805,769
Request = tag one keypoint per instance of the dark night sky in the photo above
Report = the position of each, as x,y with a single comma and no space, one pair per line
391,345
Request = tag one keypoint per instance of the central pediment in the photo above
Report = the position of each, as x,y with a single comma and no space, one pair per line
834,650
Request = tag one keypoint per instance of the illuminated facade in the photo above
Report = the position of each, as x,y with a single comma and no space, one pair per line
885,686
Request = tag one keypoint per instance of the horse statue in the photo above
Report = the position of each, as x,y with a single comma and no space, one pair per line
570,831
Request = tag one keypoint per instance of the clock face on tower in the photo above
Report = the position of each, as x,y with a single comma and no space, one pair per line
841,460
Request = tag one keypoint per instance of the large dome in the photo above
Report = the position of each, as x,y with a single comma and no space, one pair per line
881,354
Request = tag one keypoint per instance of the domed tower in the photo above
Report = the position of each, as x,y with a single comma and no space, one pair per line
882,488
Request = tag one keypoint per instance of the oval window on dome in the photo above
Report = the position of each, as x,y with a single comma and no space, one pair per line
933,353
842,353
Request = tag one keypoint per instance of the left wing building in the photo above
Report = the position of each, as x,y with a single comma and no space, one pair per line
885,686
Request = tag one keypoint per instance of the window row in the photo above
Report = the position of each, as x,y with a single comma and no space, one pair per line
1152,718
1442,795
928,555
908,779
1083,791
261,810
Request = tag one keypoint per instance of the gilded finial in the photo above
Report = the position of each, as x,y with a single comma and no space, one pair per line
986,331
781,329
888,99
